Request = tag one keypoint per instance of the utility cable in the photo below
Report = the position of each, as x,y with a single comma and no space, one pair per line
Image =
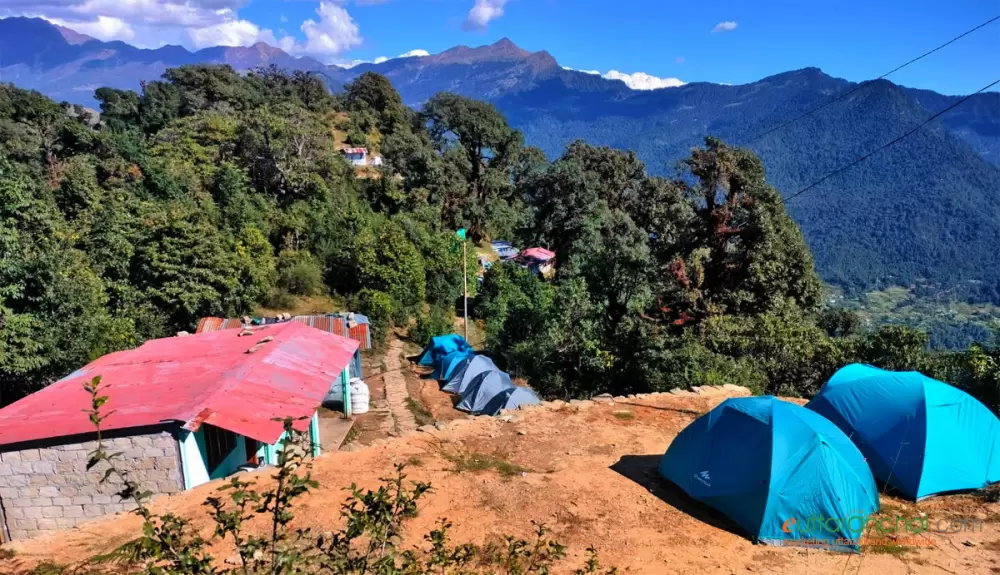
884,146
866,83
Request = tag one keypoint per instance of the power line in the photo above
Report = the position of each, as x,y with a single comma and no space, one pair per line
863,84
880,148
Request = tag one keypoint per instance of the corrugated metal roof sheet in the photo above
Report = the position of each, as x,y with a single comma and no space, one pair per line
332,323
541,254
204,378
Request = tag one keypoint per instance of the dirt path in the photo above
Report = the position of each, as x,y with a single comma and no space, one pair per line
403,422
588,471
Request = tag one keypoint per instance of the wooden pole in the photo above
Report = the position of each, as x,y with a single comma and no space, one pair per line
465,286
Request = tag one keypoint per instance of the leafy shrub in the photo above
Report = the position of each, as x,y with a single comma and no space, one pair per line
356,138
280,299
378,306
439,321
687,363
300,273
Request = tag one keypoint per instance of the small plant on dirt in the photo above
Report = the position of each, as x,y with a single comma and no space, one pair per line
420,413
625,415
886,548
367,544
464,462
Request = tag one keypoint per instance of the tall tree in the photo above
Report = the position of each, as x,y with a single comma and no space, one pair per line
485,150
743,253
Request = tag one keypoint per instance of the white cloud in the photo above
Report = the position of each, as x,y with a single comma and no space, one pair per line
594,72
727,26
147,23
335,32
643,81
104,27
482,12
414,53
231,33
349,63
380,59
193,24
636,81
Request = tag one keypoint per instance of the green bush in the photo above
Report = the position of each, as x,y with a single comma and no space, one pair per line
378,306
356,138
687,363
439,321
300,273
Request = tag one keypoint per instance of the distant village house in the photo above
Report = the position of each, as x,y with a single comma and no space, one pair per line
360,157
182,411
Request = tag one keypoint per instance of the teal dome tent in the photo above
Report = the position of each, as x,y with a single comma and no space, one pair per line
920,436
446,365
778,470
465,373
442,345
487,394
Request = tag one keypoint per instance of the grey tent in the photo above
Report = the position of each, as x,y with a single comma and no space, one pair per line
466,371
520,396
487,394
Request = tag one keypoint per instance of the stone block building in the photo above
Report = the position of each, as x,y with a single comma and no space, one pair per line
182,411
45,489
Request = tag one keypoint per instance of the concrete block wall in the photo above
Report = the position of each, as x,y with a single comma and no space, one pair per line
47,489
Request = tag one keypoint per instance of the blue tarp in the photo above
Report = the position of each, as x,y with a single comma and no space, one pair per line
465,373
920,435
504,249
773,466
444,367
485,396
519,396
441,346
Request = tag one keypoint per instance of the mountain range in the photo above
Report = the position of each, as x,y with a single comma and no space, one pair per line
923,212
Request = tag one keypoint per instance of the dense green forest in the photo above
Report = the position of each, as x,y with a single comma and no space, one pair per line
212,192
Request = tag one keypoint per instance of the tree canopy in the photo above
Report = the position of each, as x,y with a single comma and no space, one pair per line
213,193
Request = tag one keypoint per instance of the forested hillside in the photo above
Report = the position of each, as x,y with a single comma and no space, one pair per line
213,192
925,209
922,213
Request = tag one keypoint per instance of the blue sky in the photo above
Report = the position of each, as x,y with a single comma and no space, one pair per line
724,41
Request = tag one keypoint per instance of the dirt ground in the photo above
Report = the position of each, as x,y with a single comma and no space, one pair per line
589,473
371,426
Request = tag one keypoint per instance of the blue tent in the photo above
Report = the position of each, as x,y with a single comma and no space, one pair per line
445,366
519,396
486,394
441,346
920,435
465,373
777,470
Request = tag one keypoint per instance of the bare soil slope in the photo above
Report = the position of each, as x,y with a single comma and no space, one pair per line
588,471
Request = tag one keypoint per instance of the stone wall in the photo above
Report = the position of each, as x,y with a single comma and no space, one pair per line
46,489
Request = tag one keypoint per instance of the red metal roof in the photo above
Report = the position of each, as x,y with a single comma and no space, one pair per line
329,323
538,253
354,150
195,379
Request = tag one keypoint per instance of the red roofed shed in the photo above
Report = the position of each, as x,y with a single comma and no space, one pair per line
183,410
